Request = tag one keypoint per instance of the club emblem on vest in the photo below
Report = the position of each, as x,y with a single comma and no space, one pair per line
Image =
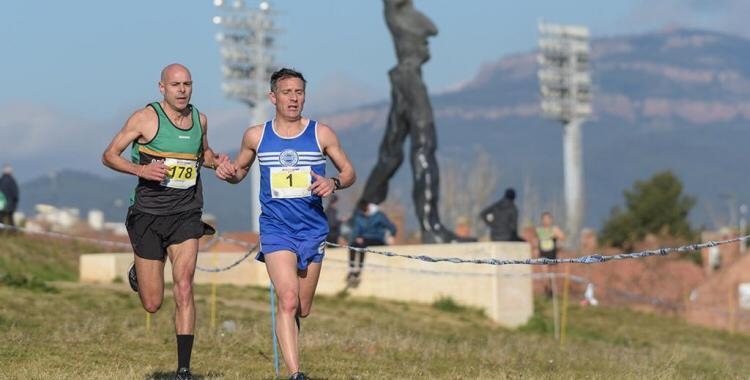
288,157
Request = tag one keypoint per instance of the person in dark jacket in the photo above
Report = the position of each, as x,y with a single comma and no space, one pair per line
8,196
502,218
369,226
334,223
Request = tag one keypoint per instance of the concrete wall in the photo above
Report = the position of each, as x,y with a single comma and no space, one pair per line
507,300
504,292
717,303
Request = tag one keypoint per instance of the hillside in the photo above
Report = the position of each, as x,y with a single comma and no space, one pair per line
674,99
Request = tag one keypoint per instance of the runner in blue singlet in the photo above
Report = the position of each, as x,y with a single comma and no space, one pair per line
291,152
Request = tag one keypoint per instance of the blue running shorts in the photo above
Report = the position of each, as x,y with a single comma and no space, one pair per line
308,249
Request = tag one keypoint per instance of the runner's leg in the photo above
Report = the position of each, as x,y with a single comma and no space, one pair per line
150,282
282,269
308,282
183,257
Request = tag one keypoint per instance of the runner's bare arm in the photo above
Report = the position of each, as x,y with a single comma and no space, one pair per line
133,129
234,172
210,158
332,148
559,234
329,143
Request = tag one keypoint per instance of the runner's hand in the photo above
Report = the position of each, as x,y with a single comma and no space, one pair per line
155,171
226,168
321,186
218,158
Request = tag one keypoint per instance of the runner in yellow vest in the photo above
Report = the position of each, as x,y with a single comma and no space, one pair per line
548,235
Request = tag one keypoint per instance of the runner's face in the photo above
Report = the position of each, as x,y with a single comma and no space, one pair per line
289,98
177,87
547,220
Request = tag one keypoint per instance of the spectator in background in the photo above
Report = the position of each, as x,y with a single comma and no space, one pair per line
548,236
8,196
463,228
502,218
334,223
369,226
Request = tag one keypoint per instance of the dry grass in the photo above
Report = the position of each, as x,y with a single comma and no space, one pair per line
72,331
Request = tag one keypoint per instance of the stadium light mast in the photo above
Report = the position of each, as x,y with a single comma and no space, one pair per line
743,228
246,47
565,88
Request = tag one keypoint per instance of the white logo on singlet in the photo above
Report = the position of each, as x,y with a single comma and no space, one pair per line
288,157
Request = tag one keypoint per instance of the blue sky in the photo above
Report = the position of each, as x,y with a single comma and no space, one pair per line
72,71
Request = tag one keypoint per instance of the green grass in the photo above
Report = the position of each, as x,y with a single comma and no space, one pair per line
99,331
42,259
449,305
29,282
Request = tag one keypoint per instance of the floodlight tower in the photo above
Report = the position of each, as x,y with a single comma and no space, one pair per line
743,228
246,48
565,87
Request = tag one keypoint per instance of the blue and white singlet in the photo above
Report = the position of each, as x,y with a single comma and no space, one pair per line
285,164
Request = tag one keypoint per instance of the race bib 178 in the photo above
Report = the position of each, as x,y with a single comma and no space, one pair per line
182,174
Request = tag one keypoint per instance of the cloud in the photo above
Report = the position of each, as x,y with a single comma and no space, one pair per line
728,16
30,130
38,139
226,126
333,94
337,92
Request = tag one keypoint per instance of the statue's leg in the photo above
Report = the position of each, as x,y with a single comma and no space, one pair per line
426,178
426,192
390,157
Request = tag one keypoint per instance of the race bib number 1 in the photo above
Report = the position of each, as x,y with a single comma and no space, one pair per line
290,182
182,174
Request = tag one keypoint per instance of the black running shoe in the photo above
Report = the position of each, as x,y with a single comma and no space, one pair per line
183,374
298,376
132,279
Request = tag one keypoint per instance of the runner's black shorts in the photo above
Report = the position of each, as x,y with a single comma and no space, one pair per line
150,234
552,255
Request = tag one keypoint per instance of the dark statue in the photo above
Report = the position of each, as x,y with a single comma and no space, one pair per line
410,116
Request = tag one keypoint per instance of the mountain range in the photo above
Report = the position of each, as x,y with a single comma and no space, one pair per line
674,99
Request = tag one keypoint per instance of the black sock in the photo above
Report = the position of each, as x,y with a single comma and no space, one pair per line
184,349
352,259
